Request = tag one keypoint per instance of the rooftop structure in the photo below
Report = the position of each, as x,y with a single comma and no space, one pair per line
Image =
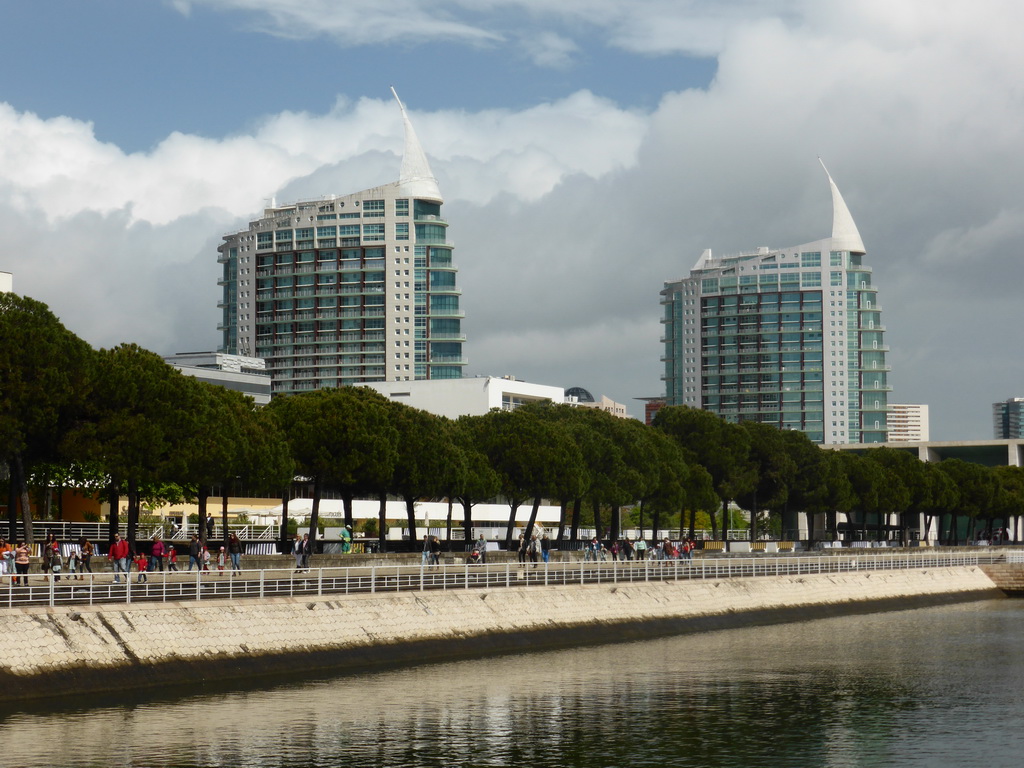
247,375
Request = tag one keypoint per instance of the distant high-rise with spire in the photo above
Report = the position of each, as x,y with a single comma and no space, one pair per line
347,289
790,337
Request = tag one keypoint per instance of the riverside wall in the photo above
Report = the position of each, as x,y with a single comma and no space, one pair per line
73,649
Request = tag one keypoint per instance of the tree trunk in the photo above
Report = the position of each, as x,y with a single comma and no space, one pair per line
448,525
713,515
533,518
513,509
410,515
114,503
314,515
382,522
285,540
725,520
347,504
693,523
133,514
574,532
753,519
12,507
467,519
613,533
597,521
224,513
561,519
655,523
26,506
202,494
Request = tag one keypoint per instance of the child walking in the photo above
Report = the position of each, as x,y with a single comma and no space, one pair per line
140,563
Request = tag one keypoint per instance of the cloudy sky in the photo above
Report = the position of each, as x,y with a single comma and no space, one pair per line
588,151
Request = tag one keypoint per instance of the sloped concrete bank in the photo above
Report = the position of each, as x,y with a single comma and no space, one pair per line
111,648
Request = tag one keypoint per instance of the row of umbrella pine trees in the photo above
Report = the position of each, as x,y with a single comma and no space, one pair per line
120,422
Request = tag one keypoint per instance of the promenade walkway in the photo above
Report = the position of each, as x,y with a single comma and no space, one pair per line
268,583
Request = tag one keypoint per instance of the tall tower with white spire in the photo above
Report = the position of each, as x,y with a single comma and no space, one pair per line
348,289
791,337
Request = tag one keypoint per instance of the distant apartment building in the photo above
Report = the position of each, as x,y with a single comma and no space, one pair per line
348,289
1007,423
791,337
908,423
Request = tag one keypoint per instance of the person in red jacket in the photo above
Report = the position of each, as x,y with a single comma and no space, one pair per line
118,556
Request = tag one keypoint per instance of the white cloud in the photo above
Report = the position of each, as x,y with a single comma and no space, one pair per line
646,26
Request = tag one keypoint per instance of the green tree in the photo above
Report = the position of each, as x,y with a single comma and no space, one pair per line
481,481
723,449
339,437
1009,503
531,456
44,380
913,476
427,460
774,472
977,485
137,427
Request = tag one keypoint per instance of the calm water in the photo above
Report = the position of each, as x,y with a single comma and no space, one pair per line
934,687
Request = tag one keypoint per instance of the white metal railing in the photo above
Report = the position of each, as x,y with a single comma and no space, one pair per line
184,585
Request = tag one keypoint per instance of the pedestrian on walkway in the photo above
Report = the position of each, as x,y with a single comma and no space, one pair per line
158,554
6,558
435,551
195,550
533,549
297,553
118,557
235,553
172,558
86,550
545,547
21,560
141,566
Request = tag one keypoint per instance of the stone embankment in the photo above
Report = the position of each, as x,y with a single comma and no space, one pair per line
116,647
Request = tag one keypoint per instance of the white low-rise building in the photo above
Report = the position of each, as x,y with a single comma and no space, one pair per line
467,397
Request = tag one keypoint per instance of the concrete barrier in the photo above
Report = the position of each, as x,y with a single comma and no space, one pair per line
114,647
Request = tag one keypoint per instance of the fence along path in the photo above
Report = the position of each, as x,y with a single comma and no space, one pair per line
176,586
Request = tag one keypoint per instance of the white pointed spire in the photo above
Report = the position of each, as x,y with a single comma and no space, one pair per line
845,236
416,178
